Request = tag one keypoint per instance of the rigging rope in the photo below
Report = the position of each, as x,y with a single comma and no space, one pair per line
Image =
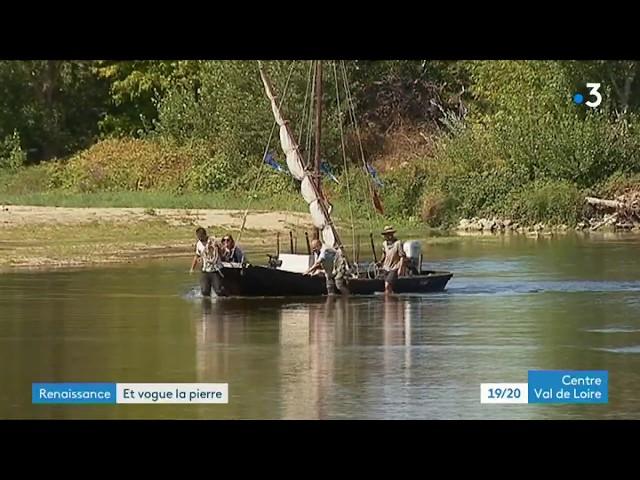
307,152
344,158
355,124
304,103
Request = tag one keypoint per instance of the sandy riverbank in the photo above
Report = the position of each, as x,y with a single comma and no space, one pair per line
15,215
32,236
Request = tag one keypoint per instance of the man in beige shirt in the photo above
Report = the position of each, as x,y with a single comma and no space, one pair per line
393,258
209,252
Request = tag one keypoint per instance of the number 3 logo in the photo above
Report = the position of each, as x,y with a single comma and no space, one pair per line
595,93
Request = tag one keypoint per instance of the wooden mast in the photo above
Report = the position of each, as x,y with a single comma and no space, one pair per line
316,163
314,174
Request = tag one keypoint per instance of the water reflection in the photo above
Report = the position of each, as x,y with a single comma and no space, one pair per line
513,305
313,337
317,345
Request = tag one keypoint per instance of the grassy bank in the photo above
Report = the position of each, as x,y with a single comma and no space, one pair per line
152,199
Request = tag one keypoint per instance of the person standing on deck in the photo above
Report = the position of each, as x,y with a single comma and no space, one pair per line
393,258
209,252
325,259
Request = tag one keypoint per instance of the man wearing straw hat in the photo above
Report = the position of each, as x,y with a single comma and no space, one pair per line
393,258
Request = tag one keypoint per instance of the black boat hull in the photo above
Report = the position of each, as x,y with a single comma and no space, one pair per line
258,281
425,283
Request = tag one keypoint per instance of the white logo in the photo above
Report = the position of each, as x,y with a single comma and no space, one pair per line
594,93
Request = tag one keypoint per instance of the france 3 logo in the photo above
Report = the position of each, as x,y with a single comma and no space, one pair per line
578,98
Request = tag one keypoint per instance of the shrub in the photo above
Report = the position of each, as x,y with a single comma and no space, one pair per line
12,156
553,201
128,164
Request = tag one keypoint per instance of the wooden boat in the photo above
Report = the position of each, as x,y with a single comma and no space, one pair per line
283,276
270,281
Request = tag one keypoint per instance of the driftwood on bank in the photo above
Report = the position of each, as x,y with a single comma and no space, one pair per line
598,202
621,213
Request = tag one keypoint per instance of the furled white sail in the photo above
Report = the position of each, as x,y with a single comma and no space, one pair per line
307,190
328,237
317,215
288,143
320,212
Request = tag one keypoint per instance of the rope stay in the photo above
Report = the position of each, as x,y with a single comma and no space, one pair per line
307,151
352,113
304,103
344,158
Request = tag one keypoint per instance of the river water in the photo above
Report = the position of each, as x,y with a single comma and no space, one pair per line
515,304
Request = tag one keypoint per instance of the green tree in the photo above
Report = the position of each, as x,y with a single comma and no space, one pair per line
54,105
136,87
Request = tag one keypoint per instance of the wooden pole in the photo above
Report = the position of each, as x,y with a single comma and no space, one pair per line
316,165
373,248
306,236
318,131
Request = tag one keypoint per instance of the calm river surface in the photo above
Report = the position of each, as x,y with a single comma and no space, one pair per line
514,304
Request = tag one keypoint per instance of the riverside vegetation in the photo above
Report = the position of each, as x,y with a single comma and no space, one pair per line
499,141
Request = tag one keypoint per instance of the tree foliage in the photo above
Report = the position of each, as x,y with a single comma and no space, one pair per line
502,130
55,106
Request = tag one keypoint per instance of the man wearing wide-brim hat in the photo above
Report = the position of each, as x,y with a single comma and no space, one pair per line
393,258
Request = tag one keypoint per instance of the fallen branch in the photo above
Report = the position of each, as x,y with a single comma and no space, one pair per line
598,202
608,220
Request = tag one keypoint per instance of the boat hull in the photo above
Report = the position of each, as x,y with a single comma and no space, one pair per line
425,283
258,281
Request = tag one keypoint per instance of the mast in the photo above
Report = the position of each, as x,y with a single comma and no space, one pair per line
316,163
309,184
318,76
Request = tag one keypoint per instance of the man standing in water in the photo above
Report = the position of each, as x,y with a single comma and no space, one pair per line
393,258
327,259
209,252
341,272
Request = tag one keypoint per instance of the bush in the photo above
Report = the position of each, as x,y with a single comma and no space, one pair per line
12,156
553,201
128,164
399,195
479,193
264,180
212,174
617,184
402,190
583,149
510,163
438,208
26,180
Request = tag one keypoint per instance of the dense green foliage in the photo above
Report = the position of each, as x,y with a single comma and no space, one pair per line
505,138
